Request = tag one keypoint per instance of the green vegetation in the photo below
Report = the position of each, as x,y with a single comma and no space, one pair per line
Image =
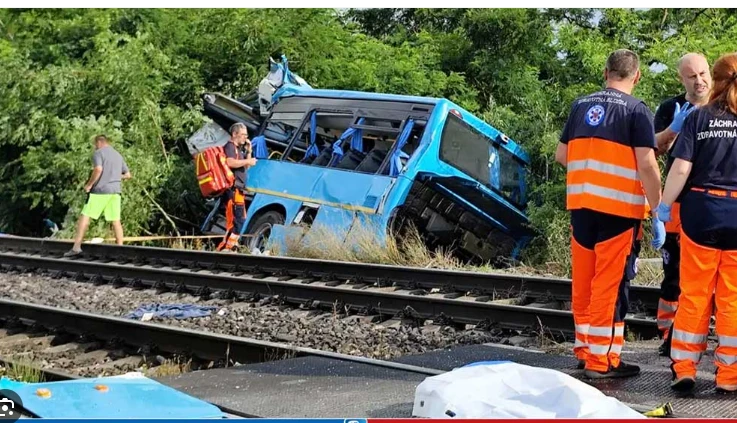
22,370
136,75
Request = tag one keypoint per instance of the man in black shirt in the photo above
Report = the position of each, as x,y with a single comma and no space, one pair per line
235,198
693,72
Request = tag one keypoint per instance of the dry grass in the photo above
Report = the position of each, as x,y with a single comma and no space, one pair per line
362,244
650,273
170,367
278,355
546,341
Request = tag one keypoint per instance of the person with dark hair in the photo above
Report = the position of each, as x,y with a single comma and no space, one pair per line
705,170
104,189
693,72
235,198
608,147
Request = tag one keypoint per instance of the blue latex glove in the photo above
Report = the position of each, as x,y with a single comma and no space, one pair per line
679,115
663,212
658,233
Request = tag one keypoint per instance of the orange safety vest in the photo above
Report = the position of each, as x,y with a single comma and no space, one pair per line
602,176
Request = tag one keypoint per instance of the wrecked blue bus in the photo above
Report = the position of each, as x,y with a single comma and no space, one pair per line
335,158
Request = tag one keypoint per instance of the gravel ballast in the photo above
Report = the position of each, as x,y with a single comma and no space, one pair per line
353,335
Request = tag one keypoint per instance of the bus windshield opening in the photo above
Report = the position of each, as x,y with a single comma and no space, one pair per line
472,152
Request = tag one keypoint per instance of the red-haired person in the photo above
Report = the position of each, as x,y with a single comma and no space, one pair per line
705,169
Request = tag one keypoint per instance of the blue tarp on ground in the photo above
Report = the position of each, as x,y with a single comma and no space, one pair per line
131,396
171,311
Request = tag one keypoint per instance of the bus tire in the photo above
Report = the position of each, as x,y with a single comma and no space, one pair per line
260,229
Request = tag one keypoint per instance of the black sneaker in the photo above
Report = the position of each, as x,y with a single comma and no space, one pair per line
581,364
623,370
72,253
683,384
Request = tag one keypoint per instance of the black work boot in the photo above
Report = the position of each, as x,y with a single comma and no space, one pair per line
623,370
683,383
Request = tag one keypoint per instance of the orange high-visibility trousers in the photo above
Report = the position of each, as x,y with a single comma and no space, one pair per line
706,272
235,218
604,251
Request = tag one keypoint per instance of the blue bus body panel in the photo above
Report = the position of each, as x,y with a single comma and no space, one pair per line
426,163
294,184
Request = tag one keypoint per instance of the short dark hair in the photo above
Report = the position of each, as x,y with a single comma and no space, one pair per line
101,138
623,63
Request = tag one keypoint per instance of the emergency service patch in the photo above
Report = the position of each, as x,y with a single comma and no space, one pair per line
595,115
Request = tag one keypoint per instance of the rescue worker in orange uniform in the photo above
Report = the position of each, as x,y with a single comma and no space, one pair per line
705,169
608,147
235,197
693,71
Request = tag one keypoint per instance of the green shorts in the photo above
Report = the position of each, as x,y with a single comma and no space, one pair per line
99,203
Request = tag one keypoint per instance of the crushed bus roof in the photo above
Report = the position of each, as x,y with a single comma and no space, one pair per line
489,130
295,91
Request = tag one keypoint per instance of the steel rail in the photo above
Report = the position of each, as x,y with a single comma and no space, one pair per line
172,339
428,279
422,306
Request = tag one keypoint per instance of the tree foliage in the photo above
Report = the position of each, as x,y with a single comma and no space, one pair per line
137,75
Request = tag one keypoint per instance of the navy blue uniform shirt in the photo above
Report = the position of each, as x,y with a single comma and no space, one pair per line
708,139
233,152
611,115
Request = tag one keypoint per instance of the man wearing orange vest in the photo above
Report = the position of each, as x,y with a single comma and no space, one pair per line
235,197
608,147
693,71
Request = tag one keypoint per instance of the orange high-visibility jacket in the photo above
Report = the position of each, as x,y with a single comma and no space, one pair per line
601,133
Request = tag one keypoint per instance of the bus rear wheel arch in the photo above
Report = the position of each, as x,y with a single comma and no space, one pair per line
260,229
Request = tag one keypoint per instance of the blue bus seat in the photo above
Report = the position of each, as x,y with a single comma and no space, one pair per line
356,135
351,160
324,158
312,149
373,160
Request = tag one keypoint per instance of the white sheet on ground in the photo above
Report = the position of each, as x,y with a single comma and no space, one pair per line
509,390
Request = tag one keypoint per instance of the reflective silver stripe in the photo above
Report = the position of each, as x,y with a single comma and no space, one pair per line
727,341
662,305
583,329
689,337
619,330
616,349
677,354
665,323
603,167
579,344
600,331
599,349
726,358
612,194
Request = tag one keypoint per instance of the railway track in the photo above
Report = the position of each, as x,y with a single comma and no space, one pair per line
113,345
162,339
499,300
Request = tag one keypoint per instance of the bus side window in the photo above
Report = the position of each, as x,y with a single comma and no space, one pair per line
322,129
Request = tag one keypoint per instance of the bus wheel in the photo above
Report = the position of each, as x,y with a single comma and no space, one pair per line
260,230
